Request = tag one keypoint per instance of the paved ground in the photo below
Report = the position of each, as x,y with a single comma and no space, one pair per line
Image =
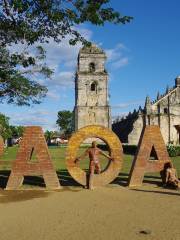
113,212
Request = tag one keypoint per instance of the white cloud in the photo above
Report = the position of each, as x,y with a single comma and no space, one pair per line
61,57
62,79
40,117
115,56
63,53
53,95
120,63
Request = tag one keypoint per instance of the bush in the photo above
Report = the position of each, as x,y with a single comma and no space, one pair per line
173,150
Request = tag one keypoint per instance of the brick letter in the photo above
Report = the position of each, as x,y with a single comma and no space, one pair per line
151,138
33,140
1,146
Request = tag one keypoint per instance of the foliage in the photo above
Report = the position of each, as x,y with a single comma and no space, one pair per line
64,121
15,87
5,130
17,131
39,20
31,22
173,150
49,135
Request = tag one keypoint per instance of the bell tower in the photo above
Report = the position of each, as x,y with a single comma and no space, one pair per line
91,89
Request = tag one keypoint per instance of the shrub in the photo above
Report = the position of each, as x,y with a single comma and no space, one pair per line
173,150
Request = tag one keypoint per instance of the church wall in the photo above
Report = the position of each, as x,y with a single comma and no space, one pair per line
134,136
88,98
164,112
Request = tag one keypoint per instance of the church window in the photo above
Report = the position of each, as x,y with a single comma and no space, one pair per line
93,86
165,110
92,67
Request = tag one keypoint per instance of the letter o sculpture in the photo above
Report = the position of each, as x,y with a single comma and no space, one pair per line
110,138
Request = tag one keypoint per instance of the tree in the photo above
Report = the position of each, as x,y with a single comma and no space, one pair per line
65,121
15,87
49,135
17,131
5,130
37,21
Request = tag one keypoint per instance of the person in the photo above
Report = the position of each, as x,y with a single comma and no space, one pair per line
94,165
171,178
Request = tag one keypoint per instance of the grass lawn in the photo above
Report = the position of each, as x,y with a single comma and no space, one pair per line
58,158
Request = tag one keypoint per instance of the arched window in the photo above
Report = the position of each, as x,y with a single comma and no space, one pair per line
92,67
93,87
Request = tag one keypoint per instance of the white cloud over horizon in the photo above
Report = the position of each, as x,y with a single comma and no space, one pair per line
40,117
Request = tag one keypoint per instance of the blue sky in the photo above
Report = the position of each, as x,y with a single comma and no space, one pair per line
143,58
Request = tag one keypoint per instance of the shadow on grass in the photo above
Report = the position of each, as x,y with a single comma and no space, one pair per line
66,180
28,180
38,181
123,178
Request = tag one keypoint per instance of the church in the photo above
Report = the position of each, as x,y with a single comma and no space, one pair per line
92,103
91,89
164,112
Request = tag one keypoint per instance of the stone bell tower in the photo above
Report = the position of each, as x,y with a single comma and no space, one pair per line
91,89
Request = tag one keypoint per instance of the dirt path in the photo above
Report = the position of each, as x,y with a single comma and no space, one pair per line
112,212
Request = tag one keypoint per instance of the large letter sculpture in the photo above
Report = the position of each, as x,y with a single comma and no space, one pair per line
151,139
1,146
114,144
33,141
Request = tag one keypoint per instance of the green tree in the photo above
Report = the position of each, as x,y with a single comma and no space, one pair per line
17,131
49,135
65,122
27,21
15,86
5,130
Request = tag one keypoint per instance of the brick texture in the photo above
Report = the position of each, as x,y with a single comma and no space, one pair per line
114,144
1,146
33,138
150,137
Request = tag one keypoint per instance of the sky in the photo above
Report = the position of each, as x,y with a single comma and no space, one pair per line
143,57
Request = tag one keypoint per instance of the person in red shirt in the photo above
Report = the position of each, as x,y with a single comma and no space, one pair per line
93,152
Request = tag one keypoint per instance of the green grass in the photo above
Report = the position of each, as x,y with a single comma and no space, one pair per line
58,158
